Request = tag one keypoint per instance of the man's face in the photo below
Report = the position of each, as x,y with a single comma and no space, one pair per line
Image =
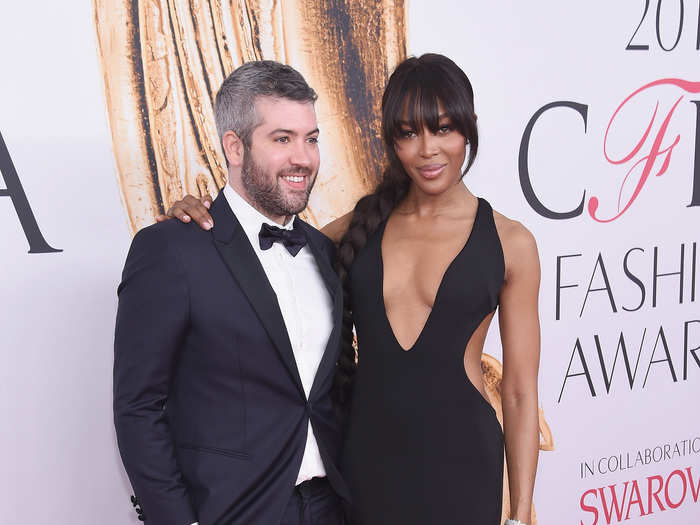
281,165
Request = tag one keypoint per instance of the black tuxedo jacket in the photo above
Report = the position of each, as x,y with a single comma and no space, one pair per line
209,409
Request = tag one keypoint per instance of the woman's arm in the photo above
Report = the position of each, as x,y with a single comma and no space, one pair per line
520,337
190,207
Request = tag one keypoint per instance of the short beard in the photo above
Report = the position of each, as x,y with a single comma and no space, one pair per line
266,194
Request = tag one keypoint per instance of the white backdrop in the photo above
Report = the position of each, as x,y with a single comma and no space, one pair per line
59,459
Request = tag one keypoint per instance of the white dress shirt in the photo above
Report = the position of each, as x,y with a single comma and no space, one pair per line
305,304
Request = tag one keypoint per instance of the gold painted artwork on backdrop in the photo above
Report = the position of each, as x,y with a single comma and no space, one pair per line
163,61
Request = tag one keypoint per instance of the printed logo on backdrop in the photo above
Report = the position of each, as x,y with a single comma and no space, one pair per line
650,269
634,357
13,189
651,154
653,151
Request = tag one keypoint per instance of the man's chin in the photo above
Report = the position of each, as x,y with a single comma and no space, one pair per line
294,210
296,202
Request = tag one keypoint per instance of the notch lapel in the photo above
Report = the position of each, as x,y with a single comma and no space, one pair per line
240,258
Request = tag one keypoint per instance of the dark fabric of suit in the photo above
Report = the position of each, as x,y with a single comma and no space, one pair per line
313,503
209,409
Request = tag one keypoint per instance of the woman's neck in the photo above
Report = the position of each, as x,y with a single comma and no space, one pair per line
425,205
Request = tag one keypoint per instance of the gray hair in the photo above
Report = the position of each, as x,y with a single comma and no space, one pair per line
234,107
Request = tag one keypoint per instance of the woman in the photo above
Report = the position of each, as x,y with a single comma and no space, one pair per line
425,264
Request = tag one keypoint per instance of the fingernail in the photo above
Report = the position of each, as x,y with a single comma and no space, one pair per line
186,218
209,225
207,204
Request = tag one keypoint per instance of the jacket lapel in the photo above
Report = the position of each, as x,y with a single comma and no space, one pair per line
333,285
240,258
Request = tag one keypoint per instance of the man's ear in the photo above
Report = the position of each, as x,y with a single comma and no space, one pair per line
233,148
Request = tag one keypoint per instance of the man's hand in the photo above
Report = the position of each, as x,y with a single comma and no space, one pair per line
189,208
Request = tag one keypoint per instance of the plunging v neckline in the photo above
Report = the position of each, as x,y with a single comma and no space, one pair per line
426,323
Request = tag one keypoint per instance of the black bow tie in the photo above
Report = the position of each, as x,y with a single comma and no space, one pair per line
294,240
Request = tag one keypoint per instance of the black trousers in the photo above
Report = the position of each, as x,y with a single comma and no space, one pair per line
313,502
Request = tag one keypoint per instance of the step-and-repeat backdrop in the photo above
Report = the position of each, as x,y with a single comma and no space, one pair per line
589,115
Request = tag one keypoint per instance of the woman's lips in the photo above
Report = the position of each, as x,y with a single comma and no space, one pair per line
431,171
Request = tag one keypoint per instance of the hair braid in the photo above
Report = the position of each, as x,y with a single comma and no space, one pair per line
418,93
370,211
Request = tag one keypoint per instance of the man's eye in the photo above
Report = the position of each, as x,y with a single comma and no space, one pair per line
312,140
283,140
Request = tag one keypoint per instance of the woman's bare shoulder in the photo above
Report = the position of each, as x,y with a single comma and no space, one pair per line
518,243
337,228
512,231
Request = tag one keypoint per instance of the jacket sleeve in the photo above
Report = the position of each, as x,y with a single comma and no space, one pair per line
152,318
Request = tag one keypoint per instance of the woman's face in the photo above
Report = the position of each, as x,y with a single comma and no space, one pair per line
433,161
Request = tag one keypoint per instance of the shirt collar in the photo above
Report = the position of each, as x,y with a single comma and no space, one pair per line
251,219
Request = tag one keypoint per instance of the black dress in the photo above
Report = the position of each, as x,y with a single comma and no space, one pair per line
423,445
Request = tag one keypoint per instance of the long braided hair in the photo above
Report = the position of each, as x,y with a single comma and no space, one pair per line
417,91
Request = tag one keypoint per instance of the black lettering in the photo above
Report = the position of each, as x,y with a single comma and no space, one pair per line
634,279
607,288
695,193
620,346
668,360
577,351
14,190
658,29
639,47
687,349
679,273
524,171
562,286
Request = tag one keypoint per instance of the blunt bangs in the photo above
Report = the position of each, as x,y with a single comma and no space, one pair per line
415,92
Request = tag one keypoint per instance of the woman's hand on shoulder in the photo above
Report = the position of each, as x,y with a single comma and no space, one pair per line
335,230
191,208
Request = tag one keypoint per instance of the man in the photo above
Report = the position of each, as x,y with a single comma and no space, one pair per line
226,340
